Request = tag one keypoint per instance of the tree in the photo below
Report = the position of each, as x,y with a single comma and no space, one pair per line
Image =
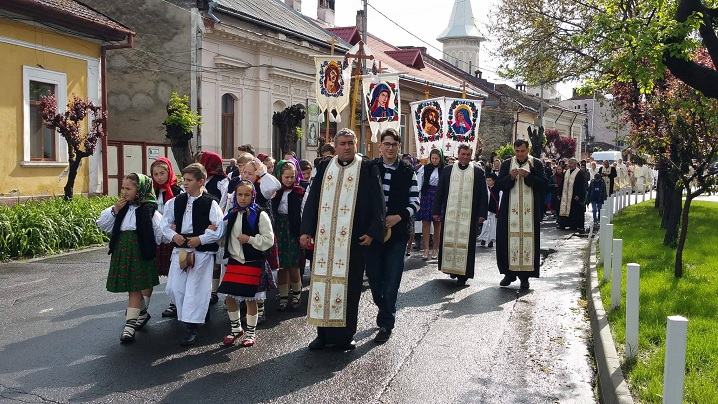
608,41
68,125
288,123
180,124
559,147
505,151
679,127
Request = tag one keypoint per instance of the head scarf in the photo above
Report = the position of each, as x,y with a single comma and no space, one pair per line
252,209
442,161
171,180
145,191
212,162
278,170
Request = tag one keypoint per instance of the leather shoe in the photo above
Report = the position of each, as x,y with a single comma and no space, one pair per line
214,298
524,283
507,280
170,311
382,336
190,337
351,345
317,344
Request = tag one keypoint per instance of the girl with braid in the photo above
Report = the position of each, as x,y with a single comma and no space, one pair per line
134,224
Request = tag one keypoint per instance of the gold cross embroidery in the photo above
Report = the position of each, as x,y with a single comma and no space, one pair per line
326,207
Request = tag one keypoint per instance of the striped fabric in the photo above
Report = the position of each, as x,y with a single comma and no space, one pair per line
414,204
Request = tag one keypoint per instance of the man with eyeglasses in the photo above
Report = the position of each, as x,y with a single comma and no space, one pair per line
385,263
463,198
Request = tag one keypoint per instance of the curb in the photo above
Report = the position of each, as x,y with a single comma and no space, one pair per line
89,248
613,386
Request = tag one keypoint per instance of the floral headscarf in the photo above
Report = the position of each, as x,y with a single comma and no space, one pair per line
171,179
145,190
212,162
252,209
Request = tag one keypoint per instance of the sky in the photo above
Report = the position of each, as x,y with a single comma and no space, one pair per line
424,19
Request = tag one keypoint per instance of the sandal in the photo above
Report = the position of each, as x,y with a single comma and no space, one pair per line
296,302
232,337
426,256
170,311
283,302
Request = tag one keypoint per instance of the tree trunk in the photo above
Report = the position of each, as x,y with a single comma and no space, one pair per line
71,176
674,219
182,155
678,270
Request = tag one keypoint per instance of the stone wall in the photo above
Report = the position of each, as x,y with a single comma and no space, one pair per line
496,128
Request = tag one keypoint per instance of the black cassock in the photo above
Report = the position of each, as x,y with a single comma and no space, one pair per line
368,219
479,209
577,215
538,183
611,174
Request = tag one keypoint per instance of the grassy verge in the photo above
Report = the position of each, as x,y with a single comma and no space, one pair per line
694,296
50,226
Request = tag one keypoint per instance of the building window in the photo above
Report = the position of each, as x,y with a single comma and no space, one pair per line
42,146
227,126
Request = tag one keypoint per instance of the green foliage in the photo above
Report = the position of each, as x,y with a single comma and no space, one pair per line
505,151
179,115
692,296
50,226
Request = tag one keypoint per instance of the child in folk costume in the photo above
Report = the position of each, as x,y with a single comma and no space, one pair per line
164,182
286,207
265,185
488,232
194,215
134,224
247,276
216,185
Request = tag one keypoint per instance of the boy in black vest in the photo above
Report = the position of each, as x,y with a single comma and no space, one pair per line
385,265
193,221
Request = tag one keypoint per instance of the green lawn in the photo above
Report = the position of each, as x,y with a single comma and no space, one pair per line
695,296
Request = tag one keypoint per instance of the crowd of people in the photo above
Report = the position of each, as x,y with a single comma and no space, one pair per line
250,227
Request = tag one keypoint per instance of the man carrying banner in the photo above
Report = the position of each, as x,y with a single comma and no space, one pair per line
462,196
344,213
523,182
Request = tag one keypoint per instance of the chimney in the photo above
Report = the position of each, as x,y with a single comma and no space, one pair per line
360,20
325,11
295,4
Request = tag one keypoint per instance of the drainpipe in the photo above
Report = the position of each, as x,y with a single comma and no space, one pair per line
103,81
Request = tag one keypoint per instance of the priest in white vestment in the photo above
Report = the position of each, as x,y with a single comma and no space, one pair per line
343,215
462,197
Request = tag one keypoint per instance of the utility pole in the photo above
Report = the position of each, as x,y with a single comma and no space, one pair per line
587,138
363,72
541,106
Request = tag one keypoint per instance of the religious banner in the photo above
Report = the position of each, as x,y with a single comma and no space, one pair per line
332,85
429,127
381,96
312,124
445,123
462,123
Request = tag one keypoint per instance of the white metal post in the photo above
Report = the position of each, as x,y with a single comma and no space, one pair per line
633,275
616,268
611,207
608,251
674,368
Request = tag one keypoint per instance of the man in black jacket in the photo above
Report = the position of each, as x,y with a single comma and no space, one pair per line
385,264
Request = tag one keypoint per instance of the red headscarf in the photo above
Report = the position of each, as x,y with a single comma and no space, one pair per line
212,162
171,180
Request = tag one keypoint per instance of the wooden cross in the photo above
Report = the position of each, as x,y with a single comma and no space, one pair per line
326,207
345,209
426,90
332,42
463,90
359,56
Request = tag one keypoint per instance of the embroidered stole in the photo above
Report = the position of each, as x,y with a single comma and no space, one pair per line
330,266
457,221
567,193
521,222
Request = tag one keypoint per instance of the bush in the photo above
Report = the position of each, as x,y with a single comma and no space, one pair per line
50,226
505,151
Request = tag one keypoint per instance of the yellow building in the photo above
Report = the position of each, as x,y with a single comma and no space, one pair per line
57,47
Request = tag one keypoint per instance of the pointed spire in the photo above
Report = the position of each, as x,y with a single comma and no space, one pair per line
461,24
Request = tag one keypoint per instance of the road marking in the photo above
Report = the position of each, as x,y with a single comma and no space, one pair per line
46,310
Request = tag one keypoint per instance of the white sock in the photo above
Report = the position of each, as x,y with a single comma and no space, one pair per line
251,324
283,291
131,316
234,321
297,288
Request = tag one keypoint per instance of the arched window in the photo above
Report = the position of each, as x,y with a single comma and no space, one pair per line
227,126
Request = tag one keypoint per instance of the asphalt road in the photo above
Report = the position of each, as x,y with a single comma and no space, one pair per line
60,329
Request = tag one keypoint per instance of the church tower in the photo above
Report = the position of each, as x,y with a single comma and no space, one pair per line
461,40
